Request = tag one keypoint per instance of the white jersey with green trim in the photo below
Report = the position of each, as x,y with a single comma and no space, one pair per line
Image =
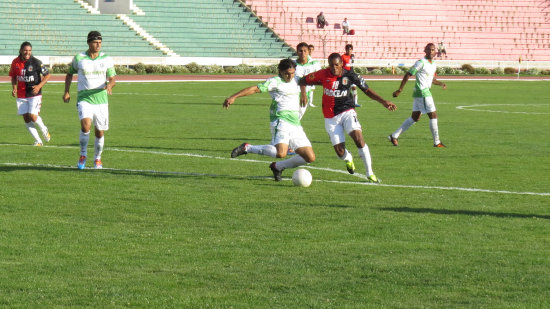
92,76
309,67
424,70
286,99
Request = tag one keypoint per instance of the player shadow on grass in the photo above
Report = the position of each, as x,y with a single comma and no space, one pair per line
131,172
464,212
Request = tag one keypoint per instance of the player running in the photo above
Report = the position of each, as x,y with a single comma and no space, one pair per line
348,60
96,79
26,78
339,110
305,65
286,129
425,71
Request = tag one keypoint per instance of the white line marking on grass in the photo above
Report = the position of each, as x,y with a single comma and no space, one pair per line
473,108
363,183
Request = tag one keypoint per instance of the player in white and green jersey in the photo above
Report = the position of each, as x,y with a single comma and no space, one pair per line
96,79
286,129
425,72
305,65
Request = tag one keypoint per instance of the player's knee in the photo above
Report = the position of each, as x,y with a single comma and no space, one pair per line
281,154
309,157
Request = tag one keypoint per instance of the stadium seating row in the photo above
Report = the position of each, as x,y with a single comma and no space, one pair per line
494,29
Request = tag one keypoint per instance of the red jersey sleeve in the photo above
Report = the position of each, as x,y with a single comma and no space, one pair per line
315,78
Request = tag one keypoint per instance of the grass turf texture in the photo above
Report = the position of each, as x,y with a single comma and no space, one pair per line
176,223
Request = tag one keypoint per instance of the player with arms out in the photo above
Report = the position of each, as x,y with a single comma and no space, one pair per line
425,72
26,79
286,129
96,79
339,110
305,65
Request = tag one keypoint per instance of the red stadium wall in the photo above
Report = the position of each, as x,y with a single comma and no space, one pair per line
494,30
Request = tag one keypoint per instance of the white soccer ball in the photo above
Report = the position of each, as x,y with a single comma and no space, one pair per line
302,178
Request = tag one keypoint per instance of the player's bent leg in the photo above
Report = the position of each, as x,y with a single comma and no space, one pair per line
357,136
282,150
306,153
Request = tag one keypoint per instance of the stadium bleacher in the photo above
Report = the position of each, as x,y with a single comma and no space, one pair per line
399,29
492,30
215,28
59,28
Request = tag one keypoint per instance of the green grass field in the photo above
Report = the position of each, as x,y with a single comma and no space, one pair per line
172,222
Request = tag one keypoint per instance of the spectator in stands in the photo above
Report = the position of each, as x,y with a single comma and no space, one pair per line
424,70
321,21
345,26
96,79
441,49
28,76
348,60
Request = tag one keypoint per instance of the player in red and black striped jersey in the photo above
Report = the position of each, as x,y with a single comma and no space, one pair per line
28,76
339,110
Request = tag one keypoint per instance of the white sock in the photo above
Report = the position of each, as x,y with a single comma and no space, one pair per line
404,127
290,163
84,137
41,125
32,130
364,153
435,131
347,156
98,147
302,111
264,150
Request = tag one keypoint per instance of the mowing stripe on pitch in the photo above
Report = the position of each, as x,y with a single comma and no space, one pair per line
270,178
261,177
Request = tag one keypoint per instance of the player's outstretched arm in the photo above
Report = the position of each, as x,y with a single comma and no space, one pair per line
243,93
403,82
387,104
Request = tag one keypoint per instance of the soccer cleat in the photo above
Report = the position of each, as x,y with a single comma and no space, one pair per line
98,164
37,144
357,105
350,167
393,140
81,163
278,175
440,145
240,150
373,179
311,104
47,136
291,152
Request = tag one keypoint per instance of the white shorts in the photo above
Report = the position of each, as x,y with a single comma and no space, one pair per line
99,113
283,132
424,105
338,126
30,105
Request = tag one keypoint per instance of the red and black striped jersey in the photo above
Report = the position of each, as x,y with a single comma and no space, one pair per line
348,61
28,74
337,97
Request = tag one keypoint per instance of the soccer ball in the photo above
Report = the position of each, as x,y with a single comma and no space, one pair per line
302,178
